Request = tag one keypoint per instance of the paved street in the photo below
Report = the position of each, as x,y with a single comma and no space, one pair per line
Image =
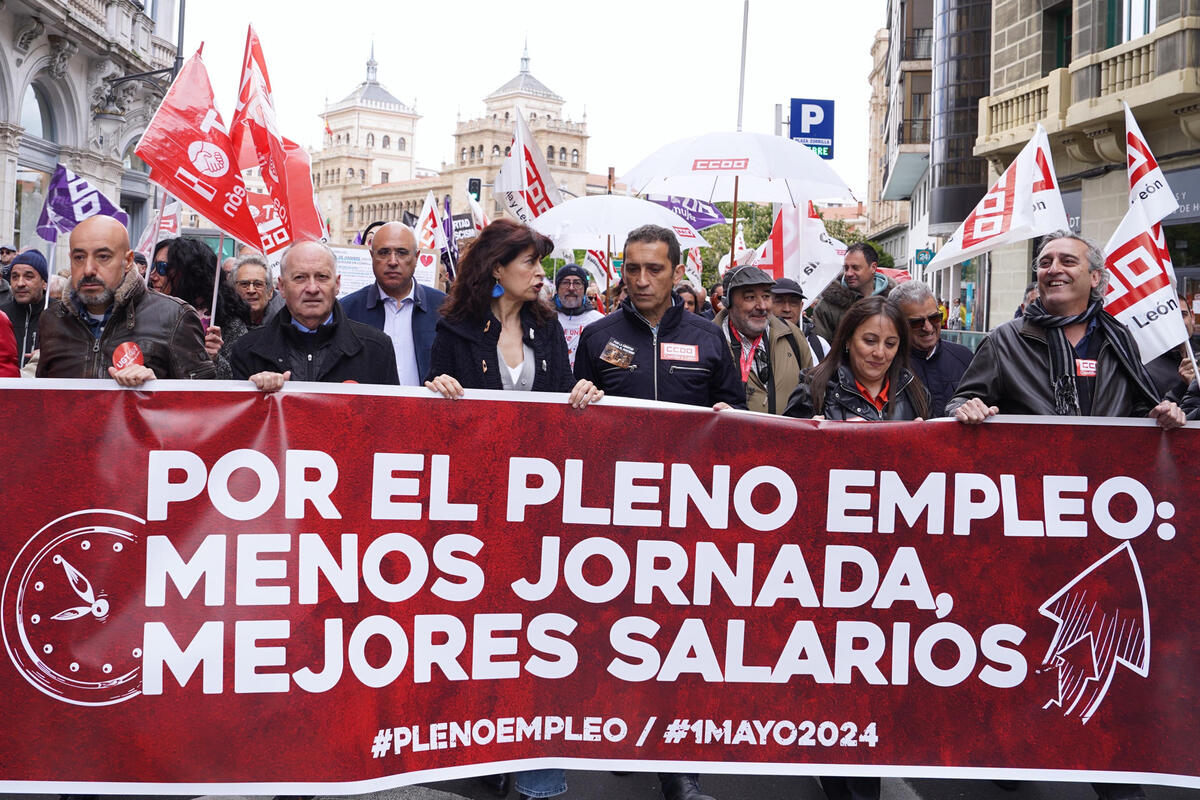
644,786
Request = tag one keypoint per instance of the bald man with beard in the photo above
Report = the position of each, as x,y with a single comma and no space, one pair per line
110,326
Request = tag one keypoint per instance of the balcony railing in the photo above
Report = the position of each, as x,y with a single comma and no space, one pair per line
919,46
913,131
1013,114
1127,68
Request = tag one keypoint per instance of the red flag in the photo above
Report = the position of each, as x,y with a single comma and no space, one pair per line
285,167
190,154
328,130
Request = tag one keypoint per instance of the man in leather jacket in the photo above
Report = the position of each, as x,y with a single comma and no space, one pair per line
111,325
1065,356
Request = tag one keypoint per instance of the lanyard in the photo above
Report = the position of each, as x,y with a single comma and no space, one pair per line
747,356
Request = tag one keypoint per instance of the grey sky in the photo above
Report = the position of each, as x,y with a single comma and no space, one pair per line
647,72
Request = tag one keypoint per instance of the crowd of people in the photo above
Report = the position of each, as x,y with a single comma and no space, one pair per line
869,349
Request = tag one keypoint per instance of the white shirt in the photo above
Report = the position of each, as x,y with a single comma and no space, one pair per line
573,325
397,324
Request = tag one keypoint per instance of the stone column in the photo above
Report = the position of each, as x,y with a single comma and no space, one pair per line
10,139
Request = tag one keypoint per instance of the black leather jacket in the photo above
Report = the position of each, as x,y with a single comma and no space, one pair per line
843,401
166,330
1011,370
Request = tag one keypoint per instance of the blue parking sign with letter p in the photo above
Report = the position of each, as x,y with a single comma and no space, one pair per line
812,125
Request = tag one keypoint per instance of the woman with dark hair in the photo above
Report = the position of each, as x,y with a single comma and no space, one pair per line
157,271
865,376
190,272
691,301
495,331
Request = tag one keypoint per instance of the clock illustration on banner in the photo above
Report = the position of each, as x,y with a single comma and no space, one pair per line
70,612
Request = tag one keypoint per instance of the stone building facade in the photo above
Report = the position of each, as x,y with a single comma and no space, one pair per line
1068,65
59,103
359,180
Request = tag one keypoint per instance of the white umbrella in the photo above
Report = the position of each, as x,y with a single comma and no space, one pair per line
719,166
724,165
587,223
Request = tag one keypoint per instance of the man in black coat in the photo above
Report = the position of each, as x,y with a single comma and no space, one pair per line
310,339
939,364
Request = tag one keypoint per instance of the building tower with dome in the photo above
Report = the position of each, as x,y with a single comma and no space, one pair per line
359,179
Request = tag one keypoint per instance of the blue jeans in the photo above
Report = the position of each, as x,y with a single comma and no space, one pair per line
541,782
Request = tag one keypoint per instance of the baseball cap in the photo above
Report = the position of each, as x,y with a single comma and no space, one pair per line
787,286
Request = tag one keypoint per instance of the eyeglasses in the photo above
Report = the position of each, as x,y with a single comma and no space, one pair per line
918,323
571,283
160,267
386,252
260,285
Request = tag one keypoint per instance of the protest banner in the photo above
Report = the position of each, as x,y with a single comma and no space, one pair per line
70,200
289,599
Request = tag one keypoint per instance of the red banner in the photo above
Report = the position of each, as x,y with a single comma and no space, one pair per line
191,155
212,576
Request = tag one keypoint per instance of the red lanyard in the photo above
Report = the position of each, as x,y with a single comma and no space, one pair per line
747,357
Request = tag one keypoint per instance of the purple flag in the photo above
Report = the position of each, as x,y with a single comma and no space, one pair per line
70,200
697,213
450,253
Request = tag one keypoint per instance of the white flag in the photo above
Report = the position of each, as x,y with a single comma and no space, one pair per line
596,264
800,248
431,240
1023,203
1148,186
524,181
1139,291
478,218
739,246
693,268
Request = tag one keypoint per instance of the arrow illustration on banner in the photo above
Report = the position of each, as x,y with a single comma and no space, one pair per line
1103,620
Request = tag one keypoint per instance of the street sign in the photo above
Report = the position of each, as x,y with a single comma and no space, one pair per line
812,125
924,257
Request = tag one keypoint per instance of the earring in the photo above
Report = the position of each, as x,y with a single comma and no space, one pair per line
497,289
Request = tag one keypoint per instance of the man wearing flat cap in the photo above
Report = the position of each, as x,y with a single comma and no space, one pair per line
770,352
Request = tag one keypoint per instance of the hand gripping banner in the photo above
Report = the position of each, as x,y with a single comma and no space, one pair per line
514,583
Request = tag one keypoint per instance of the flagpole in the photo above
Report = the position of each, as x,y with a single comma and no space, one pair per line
742,79
733,227
212,309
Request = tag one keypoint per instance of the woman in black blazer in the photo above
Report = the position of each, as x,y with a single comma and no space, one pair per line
495,331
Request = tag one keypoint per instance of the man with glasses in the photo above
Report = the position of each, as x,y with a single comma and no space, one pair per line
575,311
396,303
939,364
252,279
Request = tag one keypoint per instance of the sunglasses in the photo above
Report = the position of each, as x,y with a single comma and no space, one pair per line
918,323
160,267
